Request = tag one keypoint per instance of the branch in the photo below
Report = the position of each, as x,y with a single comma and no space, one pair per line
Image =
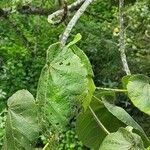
70,8
122,39
26,9
74,20
63,15
45,147
32,10
109,89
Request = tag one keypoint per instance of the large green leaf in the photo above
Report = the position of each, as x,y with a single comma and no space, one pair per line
22,123
123,116
139,92
65,83
122,140
88,130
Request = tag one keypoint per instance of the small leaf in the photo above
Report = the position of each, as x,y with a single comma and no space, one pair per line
88,130
50,21
122,140
75,40
21,123
123,116
125,80
139,92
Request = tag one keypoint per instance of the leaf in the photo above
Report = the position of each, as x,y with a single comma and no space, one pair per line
83,58
123,116
91,86
21,123
122,140
75,40
125,80
88,95
139,92
148,148
63,85
87,128
106,94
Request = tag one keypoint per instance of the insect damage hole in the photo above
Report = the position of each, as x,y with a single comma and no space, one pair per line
68,64
61,63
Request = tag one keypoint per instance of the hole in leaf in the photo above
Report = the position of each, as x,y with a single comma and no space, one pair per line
68,64
60,63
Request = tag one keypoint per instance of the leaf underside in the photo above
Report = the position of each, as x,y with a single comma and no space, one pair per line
22,122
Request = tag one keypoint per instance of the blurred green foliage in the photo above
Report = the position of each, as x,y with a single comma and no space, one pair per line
24,39
70,141
2,126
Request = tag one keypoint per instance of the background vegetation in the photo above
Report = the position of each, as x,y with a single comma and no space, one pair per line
25,37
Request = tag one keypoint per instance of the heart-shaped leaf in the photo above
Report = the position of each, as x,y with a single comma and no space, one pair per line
22,122
64,85
139,92
89,131
122,140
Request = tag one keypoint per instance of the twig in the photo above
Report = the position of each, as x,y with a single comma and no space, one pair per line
122,38
71,7
98,121
109,89
73,21
33,10
45,147
27,9
97,98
